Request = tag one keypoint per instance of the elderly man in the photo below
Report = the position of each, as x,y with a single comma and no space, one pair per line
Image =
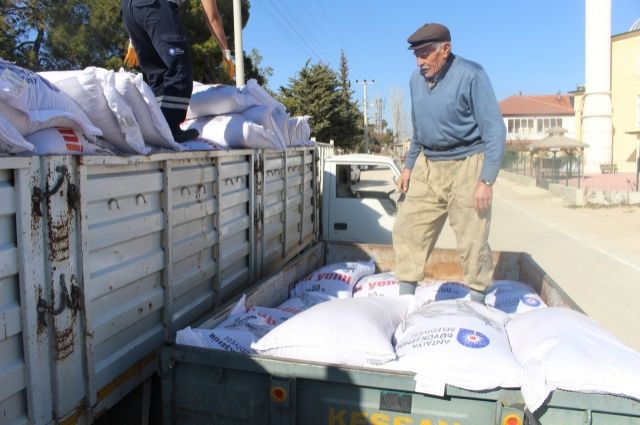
160,41
454,158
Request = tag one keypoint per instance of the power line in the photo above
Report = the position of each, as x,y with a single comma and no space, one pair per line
283,23
321,28
306,30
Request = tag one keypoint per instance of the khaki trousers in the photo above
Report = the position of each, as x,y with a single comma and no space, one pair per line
438,189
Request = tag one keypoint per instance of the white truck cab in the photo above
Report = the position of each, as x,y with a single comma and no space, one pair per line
359,207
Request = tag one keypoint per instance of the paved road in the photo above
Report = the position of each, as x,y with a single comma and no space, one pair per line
593,254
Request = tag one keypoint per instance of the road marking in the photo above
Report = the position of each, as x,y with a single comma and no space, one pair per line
572,236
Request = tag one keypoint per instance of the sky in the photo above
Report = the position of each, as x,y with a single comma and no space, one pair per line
528,46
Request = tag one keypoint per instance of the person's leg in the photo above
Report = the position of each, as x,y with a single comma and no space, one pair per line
471,229
418,224
160,41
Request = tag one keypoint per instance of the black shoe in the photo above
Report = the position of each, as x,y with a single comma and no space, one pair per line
180,135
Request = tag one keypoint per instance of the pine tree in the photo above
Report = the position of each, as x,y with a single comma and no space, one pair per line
350,126
315,91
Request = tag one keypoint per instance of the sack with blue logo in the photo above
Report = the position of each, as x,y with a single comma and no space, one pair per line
457,342
513,297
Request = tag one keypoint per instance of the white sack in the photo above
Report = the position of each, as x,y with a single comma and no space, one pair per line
237,332
217,99
265,116
261,96
377,285
460,343
41,104
153,126
299,131
352,331
11,141
300,303
64,141
442,291
94,90
565,349
235,132
334,280
513,297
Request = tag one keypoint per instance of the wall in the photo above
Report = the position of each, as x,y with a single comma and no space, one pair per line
625,95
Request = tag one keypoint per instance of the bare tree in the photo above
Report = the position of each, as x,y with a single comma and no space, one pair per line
398,115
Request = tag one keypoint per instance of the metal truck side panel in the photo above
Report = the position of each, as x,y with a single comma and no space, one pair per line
103,258
24,386
122,258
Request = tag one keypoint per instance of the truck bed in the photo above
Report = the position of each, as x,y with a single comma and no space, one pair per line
209,386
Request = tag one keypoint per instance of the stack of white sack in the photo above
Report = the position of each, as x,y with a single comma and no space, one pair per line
28,103
121,104
244,118
295,130
562,348
457,342
216,111
238,331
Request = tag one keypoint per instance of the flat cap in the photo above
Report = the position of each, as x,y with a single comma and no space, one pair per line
428,33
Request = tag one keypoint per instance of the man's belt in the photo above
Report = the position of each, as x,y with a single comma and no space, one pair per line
450,147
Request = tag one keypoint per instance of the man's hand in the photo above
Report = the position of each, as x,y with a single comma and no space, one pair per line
403,181
482,196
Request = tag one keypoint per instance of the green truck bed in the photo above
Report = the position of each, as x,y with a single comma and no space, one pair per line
203,386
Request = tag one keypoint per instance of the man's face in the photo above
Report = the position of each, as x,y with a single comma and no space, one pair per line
431,58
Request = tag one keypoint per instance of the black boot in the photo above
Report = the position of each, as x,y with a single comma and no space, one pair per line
180,135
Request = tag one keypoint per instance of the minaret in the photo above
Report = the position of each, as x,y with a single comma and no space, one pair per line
596,113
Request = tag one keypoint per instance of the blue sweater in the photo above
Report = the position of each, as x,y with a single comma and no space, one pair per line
457,118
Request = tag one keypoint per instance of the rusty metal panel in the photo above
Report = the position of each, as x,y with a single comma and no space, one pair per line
123,261
59,291
21,356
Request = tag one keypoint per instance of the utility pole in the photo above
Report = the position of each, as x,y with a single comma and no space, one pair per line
379,114
237,41
366,113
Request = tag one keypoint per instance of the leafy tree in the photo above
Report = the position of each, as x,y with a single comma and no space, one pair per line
317,90
23,25
84,33
73,34
314,91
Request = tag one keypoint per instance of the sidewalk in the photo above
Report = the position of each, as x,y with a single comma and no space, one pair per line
592,253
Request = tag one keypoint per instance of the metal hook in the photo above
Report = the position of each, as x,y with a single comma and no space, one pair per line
114,201
182,190
138,196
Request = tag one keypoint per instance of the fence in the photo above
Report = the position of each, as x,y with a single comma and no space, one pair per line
560,168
